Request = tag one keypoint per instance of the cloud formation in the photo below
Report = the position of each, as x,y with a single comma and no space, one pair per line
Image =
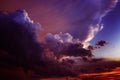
19,47
18,43
65,44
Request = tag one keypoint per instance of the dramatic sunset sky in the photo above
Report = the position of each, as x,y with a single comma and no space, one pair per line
74,16
35,36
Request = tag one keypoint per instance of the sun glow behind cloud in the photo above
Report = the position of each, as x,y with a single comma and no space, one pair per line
67,27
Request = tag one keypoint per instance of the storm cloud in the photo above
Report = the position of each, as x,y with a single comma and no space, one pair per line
76,23
18,41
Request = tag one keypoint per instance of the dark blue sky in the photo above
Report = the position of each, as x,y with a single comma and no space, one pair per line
111,24
110,33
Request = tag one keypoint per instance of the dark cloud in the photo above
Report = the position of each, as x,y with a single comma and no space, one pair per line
18,41
20,52
100,43
65,44
22,55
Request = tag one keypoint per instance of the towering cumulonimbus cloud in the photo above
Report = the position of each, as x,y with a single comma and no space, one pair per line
20,50
18,38
19,46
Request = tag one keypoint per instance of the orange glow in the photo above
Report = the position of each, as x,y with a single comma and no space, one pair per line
115,71
112,75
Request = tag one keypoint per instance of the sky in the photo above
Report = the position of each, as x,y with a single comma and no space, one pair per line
74,17
58,38
110,33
